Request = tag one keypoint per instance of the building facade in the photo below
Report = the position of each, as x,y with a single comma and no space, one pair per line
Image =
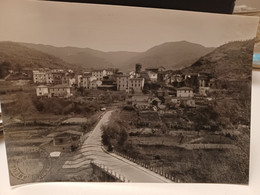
59,91
152,75
49,78
129,84
99,74
185,92
42,90
58,77
122,82
135,84
39,76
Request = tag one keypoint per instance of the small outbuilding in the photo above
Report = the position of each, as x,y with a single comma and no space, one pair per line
68,140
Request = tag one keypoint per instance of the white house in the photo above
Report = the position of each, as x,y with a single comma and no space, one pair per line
136,84
99,74
152,75
59,91
185,92
122,82
39,76
49,78
72,82
42,90
109,72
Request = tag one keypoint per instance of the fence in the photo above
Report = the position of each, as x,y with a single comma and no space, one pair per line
110,172
155,170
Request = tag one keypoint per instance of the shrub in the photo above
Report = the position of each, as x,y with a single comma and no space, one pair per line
114,134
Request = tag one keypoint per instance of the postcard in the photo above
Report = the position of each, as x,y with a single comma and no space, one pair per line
101,93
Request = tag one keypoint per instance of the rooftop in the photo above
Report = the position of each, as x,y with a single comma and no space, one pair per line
139,78
185,88
42,86
60,86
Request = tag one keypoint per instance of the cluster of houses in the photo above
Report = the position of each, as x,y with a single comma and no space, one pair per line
177,89
59,83
183,96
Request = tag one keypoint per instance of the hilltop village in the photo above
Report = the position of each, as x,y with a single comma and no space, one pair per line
152,88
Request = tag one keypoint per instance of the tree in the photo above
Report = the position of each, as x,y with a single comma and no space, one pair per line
114,134
4,69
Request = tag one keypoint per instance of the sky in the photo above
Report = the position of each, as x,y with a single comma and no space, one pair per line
116,28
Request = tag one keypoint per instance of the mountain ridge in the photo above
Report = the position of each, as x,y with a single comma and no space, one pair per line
173,55
230,61
19,55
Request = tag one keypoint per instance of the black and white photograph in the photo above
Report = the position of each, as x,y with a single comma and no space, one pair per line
102,93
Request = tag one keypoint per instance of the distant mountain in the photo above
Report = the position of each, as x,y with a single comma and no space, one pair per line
86,57
20,56
230,61
172,55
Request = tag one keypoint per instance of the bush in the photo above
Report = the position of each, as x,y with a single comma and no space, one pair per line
128,108
114,134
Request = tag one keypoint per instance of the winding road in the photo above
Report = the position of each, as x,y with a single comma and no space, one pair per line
92,150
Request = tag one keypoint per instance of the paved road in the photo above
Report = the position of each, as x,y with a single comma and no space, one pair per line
92,150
